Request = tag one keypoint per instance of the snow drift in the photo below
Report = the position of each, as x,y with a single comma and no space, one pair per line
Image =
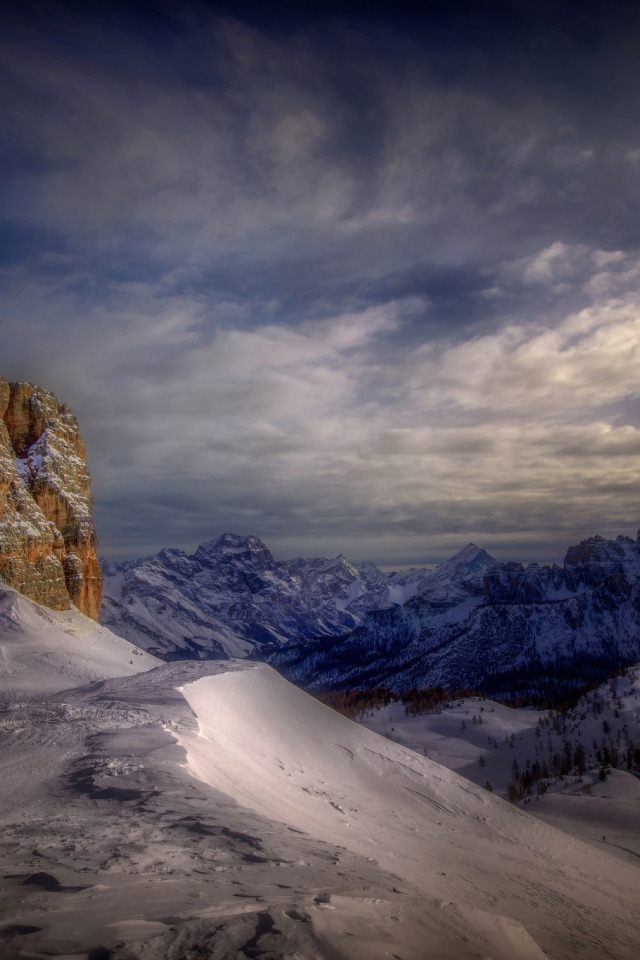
213,809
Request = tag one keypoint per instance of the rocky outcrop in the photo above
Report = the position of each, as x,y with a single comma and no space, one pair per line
590,562
47,539
514,583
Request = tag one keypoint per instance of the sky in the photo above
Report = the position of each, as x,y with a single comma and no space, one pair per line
342,276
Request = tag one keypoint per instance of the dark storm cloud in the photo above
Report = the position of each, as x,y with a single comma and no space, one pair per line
345,281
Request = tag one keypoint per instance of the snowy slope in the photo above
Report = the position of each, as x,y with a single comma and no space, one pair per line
500,628
232,595
476,737
212,809
578,790
43,650
485,870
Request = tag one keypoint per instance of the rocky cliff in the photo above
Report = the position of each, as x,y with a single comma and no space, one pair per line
47,539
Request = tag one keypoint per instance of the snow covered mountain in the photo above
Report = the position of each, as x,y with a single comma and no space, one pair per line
501,628
232,595
213,809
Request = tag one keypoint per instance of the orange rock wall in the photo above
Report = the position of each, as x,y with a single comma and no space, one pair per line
47,539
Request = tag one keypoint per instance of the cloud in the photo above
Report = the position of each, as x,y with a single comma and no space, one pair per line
277,148
317,284
521,373
313,435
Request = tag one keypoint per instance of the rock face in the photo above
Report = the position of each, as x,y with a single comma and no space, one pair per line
232,596
47,540
502,628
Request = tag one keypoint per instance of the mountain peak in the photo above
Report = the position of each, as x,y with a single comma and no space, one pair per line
471,560
233,543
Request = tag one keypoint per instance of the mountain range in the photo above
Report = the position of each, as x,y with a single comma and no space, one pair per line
231,596
504,628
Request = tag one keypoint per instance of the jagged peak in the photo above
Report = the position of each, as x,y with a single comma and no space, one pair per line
233,545
469,554
597,548
232,541
171,552
340,563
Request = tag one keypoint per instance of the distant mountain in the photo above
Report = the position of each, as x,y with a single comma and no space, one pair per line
500,627
231,596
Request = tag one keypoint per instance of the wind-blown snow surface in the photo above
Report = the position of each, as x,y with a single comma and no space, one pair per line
271,748
210,809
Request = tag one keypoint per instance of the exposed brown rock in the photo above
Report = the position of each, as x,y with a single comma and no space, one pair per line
47,539
28,413
5,395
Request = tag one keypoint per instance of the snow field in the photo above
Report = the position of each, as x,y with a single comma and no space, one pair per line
288,757
483,740
211,808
